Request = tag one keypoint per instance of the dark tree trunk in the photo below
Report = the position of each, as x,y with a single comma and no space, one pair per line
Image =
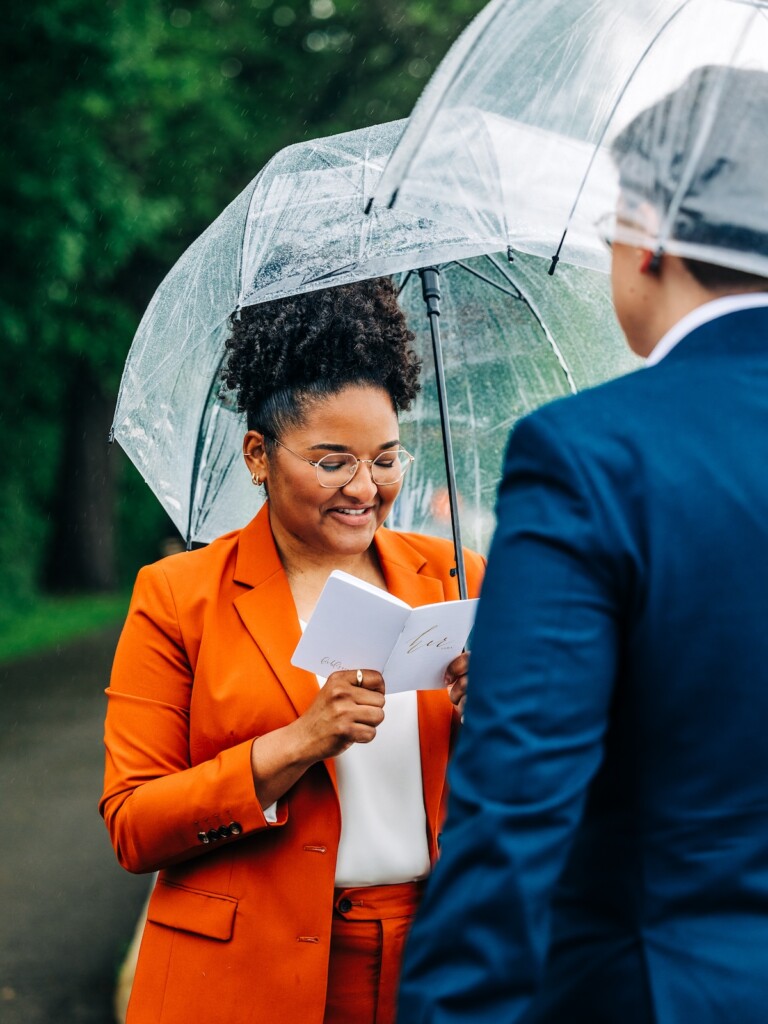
82,552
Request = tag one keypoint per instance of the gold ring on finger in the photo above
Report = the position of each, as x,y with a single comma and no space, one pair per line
359,677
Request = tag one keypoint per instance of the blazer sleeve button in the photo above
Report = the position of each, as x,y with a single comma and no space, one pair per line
203,837
224,831
345,905
213,835
235,828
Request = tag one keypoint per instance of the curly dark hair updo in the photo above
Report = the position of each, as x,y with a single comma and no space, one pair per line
288,353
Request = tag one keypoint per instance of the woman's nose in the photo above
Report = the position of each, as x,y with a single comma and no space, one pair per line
361,486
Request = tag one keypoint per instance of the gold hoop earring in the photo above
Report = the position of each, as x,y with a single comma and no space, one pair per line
255,480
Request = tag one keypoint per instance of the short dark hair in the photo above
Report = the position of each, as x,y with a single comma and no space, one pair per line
715,278
649,157
288,353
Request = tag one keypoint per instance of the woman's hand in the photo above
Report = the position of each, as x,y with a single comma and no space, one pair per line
344,712
456,680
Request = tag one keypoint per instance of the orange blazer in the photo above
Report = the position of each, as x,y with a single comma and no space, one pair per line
240,919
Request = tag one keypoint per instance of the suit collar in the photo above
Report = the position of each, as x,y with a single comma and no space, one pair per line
731,323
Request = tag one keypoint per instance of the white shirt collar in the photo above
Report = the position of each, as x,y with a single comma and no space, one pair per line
702,315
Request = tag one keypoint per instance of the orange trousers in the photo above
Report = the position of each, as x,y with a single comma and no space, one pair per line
370,926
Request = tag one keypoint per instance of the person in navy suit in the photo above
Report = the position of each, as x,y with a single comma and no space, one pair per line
605,855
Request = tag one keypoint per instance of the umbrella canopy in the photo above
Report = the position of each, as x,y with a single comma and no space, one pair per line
301,225
511,341
512,138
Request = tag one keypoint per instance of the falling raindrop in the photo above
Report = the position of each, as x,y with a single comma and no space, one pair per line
381,55
340,40
322,9
374,109
284,16
231,67
419,68
316,41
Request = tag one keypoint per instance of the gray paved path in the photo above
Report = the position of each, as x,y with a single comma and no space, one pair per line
67,909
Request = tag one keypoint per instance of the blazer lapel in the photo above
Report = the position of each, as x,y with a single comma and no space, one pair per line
403,571
402,565
269,614
437,719
267,609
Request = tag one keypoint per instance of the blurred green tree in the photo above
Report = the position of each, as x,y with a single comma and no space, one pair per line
130,125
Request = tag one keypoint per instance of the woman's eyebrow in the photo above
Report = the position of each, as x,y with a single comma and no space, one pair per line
343,448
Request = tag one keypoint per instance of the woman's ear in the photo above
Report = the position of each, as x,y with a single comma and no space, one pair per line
255,456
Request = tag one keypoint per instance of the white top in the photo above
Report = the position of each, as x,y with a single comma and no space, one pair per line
383,820
702,315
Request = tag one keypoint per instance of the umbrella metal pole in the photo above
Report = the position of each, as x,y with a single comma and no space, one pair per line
430,285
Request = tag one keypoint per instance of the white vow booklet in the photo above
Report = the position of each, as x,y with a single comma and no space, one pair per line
356,625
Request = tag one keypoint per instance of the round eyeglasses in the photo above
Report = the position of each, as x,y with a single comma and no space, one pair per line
338,468
606,229
613,227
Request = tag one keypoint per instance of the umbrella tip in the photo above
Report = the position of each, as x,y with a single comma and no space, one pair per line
111,435
368,206
553,266
510,254
393,199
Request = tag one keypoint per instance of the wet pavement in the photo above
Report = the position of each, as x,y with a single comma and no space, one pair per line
67,910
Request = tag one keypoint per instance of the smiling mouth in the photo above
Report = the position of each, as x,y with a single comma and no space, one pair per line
352,511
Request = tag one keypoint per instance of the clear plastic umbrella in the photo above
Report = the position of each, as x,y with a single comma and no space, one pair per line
513,338
512,139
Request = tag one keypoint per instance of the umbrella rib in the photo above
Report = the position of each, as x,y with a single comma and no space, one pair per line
517,294
203,502
504,271
604,132
243,237
200,452
480,23
331,273
405,282
353,161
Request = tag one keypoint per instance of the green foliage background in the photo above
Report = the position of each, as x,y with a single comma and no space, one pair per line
129,125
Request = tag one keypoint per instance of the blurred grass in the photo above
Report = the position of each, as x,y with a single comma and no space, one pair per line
50,621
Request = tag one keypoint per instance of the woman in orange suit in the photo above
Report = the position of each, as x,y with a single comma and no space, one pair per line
292,819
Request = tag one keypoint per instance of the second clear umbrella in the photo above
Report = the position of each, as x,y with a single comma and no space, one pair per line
509,344
513,136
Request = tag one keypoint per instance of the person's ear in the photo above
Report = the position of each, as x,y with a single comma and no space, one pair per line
255,456
650,261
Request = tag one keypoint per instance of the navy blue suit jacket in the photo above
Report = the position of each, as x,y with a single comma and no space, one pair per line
605,858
